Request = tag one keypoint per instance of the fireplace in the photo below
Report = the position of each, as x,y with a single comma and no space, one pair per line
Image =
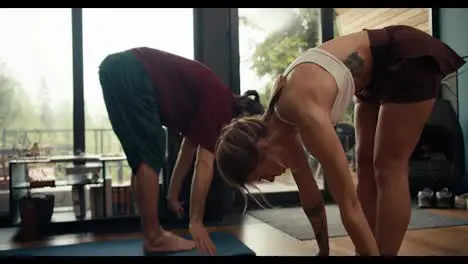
439,158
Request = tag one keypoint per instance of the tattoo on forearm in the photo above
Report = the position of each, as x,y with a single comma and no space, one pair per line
355,64
318,219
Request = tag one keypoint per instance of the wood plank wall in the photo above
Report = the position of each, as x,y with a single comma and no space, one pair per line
351,20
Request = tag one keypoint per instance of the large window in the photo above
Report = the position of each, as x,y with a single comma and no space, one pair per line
269,40
106,31
36,87
36,69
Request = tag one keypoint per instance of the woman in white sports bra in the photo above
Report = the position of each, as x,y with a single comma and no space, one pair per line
394,73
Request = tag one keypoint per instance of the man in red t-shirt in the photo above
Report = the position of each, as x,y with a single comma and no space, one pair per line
145,89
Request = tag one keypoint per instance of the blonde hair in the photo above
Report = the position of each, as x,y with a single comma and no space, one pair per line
237,154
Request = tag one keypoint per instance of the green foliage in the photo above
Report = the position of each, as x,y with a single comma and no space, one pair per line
274,54
45,111
280,48
47,125
16,109
8,110
276,61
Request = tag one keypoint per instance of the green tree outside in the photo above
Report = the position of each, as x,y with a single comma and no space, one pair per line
273,55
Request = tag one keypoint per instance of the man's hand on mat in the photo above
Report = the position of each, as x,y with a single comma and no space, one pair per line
202,239
176,207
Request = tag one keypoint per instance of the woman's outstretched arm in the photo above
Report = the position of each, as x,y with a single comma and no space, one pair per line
321,140
310,196
307,98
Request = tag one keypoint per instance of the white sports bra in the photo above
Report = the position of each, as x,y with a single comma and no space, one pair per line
342,75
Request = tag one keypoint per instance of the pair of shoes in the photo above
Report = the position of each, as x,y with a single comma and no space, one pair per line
443,198
461,201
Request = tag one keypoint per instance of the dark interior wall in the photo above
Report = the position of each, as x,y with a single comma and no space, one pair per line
216,45
217,42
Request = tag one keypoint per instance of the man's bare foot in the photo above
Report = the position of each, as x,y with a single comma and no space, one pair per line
168,242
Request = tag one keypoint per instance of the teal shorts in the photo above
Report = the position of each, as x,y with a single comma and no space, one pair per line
133,113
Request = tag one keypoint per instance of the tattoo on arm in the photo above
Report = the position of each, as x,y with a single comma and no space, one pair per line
355,64
318,219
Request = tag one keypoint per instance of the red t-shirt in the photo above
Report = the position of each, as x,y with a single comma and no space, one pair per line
190,97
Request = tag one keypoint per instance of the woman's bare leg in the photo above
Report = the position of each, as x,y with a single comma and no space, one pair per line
146,193
398,130
365,122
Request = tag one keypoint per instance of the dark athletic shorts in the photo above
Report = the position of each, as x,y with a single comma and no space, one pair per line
408,65
133,113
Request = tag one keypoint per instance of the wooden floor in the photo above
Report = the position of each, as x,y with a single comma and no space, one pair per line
265,240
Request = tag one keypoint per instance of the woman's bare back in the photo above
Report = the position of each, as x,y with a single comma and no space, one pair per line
354,51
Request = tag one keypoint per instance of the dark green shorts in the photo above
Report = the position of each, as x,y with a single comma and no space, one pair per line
131,105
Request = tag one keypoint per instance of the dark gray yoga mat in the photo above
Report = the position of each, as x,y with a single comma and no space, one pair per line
294,222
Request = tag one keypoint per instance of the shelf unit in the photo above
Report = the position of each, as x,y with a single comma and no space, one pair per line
101,180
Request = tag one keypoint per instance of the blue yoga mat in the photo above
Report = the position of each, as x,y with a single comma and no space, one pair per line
226,245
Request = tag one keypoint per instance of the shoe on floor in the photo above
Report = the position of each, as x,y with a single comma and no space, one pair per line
444,199
426,198
461,201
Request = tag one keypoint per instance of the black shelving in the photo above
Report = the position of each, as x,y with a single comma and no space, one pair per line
20,186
